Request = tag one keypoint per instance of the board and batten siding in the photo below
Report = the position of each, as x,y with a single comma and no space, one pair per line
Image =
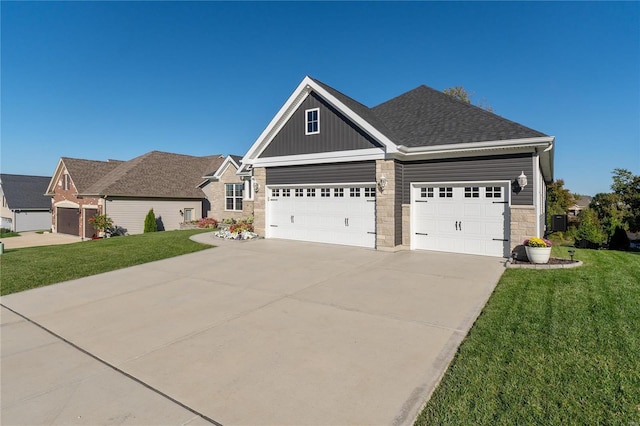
499,167
351,172
337,133
130,213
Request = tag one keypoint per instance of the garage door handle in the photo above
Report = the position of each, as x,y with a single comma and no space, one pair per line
421,233
460,225
369,232
499,239
422,201
346,221
456,225
273,226
291,219
500,202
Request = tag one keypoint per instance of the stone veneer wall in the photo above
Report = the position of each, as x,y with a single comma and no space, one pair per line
523,225
259,202
406,225
385,205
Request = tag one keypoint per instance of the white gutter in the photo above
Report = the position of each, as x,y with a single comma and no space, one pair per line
545,141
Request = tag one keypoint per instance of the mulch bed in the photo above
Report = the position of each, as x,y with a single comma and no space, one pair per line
552,261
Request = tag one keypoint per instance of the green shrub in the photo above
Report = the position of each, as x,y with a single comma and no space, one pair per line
150,224
619,240
589,229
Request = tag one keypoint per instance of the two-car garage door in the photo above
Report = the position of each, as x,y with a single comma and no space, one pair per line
462,218
336,214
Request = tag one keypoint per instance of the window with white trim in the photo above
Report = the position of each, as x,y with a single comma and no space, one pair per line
312,117
66,182
233,196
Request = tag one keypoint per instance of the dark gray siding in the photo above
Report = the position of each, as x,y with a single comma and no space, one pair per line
337,133
362,171
499,167
398,204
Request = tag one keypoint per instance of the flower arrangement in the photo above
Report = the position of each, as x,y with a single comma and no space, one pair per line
207,222
240,227
537,242
101,222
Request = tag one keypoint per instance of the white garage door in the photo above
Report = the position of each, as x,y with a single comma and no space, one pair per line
462,218
325,214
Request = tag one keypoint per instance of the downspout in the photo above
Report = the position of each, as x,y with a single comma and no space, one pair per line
536,191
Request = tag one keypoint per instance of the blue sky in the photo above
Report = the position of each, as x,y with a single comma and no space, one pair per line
102,80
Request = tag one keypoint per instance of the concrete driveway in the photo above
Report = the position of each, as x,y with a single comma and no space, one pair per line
34,239
265,332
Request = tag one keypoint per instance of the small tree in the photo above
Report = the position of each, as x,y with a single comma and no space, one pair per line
150,224
589,229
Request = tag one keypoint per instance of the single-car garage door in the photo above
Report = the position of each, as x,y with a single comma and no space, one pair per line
68,221
326,214
462,218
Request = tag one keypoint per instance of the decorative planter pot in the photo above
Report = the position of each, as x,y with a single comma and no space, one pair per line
538,254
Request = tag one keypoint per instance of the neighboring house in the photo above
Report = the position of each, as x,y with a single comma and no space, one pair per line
24,205
420,171
581,203
126,191
227,190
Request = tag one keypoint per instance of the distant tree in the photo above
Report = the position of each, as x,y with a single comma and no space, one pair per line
619,240
461,94
150,224
559,199
610,211
627,186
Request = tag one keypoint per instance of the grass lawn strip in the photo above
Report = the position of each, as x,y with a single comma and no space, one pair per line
558,346
26,268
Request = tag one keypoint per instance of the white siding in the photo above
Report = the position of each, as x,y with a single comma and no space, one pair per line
32,221
130,214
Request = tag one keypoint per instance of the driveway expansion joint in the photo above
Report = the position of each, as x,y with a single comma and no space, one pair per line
113,367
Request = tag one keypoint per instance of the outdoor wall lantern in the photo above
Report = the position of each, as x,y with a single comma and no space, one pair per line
382,183
256,187
522,180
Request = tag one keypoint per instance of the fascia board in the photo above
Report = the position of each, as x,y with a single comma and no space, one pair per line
223,167
510,143
325,157
51,189
277,122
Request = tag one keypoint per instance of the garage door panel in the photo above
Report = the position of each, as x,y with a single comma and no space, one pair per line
468,221
334,215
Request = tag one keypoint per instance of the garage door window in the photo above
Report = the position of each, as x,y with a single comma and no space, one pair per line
354,192
471,192
275,192
446,192
370,192
325,192
299,192
493,192
311,192
233,196
426,192
338,192
286,192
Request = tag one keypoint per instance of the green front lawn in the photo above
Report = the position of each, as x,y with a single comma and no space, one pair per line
22,269
552,347
5,233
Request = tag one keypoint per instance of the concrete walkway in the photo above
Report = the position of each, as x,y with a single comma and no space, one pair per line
265,332
33,239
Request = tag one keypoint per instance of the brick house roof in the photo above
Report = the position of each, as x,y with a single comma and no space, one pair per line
156,174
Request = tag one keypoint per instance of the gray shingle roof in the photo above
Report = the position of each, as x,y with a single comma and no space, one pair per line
427,117
24,192
158,175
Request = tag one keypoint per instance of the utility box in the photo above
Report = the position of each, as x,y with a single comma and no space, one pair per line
559,223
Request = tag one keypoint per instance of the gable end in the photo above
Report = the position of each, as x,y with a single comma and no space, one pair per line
336,133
